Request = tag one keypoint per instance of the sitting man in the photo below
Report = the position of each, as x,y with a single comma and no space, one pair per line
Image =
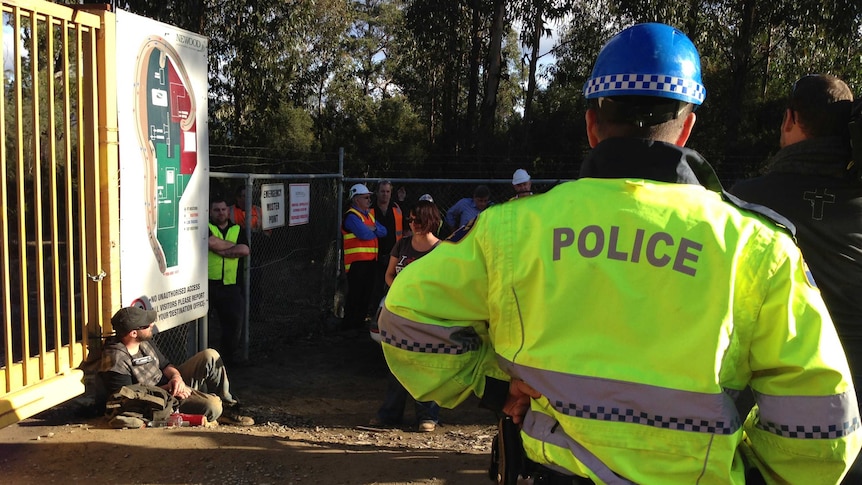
200,383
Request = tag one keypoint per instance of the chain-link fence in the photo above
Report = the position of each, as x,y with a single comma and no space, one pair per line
291,272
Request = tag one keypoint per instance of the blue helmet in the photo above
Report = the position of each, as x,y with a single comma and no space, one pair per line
648,60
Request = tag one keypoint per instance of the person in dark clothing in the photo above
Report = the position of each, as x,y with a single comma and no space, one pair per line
813,183
388,213
200,383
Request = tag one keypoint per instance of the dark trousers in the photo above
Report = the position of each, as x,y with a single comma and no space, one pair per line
392,409
379,282
229,305
360,286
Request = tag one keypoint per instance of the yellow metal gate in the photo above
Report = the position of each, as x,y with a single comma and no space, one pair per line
59,197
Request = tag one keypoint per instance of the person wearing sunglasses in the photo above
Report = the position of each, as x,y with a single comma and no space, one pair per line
360,232
424,220
131,357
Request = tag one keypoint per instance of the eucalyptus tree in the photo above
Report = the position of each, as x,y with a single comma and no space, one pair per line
430,58
534,17
558,139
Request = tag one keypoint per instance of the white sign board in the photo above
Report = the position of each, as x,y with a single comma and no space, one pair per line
164,168
300,203
272,205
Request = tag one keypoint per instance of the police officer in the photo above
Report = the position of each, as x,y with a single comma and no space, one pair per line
619,332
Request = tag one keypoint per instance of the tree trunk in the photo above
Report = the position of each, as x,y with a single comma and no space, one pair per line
475,65
740,66
492,83
538,23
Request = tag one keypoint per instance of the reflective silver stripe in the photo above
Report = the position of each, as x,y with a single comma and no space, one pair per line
808,417
542,427
629,402
420,337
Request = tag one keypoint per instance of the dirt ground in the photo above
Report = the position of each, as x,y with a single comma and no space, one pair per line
311,401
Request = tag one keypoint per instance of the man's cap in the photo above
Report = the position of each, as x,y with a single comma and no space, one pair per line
130,318
426,197
358,189
520,176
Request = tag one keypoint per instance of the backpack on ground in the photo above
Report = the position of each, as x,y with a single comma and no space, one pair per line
136,405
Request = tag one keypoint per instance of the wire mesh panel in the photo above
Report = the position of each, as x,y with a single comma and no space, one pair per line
292,269
174,343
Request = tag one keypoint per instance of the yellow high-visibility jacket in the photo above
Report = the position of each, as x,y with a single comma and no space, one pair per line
639,309
221,268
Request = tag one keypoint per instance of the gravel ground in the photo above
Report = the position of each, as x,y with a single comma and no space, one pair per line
311,401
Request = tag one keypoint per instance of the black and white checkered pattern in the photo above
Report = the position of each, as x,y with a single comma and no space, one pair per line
429,348
811,432
645,85
604,413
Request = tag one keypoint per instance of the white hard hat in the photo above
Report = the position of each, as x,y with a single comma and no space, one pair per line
426,197
520,176
358,189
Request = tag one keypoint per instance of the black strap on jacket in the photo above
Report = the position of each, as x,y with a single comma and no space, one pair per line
665,162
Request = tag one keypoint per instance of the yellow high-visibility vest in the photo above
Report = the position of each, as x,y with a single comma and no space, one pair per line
220,268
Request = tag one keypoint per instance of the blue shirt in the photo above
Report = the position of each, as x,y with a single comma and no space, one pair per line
461,213
355,225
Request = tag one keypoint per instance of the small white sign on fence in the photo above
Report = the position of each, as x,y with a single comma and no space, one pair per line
272,205
300,204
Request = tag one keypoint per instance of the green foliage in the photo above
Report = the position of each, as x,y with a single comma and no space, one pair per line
294,131
398,83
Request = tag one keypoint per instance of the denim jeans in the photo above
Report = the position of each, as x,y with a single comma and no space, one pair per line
392,409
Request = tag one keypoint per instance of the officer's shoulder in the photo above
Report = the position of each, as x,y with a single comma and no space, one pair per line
763,211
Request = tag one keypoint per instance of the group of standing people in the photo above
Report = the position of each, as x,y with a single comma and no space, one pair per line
380,240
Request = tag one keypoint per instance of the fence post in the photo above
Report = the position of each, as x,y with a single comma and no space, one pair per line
246,283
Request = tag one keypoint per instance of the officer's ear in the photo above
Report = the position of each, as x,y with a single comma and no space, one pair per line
687,126
592,119
789,120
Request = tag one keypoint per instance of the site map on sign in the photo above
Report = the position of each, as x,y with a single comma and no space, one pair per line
165,117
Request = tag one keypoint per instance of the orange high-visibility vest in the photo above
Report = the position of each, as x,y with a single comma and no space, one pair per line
237,215
356,249
399,222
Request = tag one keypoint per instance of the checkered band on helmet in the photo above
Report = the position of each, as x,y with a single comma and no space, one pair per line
646,85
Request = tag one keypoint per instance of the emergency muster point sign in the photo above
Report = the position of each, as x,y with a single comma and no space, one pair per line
272,205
